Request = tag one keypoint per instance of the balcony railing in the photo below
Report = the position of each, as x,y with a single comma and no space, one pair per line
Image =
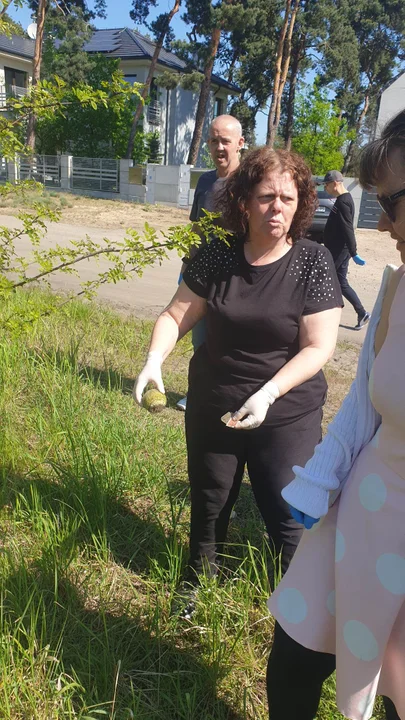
10,91
154,112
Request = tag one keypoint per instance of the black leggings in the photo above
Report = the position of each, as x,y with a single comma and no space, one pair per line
295,676
217,456
342,267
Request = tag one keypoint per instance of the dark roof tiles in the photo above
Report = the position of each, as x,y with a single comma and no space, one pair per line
117,43
16,45
130,44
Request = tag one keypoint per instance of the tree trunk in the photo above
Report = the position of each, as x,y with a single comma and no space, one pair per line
349,153
203,99
282,65
297,57
36,69
277,76
232,65
286,61
145,91
6,5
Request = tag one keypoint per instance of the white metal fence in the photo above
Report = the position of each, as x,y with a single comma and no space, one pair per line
102,174
42,168
120,179
10,91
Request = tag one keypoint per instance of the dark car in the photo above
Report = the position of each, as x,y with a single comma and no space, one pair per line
322,213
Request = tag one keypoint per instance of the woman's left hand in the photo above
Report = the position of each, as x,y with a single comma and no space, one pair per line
255,408
302,518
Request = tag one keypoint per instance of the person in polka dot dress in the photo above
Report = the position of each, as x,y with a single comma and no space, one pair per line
342,602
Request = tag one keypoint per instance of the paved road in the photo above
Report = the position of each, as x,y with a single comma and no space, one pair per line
147,295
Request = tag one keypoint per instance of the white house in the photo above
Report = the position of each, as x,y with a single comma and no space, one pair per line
171,112
16,56
392,101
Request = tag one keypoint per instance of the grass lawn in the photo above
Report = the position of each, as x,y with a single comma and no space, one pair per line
94,523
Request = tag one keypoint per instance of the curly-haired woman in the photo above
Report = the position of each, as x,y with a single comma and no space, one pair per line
272,303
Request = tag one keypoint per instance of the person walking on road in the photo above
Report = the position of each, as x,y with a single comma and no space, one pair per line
225,141
340,240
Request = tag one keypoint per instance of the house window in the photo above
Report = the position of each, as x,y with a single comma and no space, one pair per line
15,78
153,90
131,79
218,107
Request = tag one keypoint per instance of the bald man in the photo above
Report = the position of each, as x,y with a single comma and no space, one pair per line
225,141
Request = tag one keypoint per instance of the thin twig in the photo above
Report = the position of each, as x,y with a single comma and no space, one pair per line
88,256
4,9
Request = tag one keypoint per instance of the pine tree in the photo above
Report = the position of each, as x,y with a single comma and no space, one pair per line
90,10
210,26
63,50
359,67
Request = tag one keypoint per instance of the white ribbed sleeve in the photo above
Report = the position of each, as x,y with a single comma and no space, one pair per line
317,485
329,465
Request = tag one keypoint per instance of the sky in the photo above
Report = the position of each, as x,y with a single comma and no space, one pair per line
118,16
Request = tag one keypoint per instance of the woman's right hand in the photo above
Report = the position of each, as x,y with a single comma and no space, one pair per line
150,373
302,518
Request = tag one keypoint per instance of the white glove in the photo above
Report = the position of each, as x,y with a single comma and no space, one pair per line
150,373
255,408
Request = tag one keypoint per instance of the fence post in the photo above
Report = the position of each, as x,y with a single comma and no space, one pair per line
124,178
13,170
150,184
66,172
184,186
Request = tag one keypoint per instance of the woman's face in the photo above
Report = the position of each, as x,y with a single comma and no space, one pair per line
272,207
391,181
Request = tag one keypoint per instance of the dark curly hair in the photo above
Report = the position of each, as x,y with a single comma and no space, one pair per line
374,157
233,200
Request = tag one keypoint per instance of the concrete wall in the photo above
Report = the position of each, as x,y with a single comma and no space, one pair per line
133,67
392,102
167,184
356,191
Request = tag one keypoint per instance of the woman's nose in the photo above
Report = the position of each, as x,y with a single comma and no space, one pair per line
384,223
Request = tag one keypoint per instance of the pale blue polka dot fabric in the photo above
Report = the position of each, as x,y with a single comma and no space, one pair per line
344,592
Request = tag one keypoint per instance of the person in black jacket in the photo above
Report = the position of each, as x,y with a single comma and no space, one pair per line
340,240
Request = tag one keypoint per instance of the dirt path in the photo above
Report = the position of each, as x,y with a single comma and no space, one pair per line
98,213
378,249
146,296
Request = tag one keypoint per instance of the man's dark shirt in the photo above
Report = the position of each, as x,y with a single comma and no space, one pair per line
204,199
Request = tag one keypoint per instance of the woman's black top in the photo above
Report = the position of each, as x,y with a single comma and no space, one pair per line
253,318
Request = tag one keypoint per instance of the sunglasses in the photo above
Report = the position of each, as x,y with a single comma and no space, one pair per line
387,204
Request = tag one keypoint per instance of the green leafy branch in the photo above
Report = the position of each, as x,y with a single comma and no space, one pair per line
126,258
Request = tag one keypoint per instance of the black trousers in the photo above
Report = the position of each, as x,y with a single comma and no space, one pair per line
342,266
295,676
217,457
